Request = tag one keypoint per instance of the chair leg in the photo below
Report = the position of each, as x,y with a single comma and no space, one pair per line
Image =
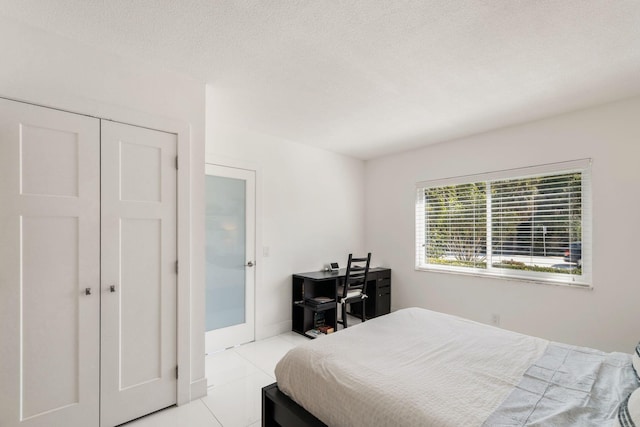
363,309
344,315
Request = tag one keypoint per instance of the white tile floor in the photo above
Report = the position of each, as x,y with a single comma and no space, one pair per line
235,378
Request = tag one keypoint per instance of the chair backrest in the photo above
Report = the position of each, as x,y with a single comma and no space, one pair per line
356,275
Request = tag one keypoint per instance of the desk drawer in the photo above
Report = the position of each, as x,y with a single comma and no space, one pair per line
384,284
383,275
384,291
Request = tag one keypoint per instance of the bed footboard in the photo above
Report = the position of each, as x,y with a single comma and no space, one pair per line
279,410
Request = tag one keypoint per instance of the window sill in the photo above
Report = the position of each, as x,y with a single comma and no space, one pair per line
575,284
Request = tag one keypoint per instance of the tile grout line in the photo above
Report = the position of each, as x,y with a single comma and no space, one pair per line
243,376
270,374
210,411
258,368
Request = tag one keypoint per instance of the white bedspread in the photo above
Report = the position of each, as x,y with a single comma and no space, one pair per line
413,367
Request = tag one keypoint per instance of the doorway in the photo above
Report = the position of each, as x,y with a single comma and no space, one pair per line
230,195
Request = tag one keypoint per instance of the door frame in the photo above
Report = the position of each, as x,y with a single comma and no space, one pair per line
221,338
216,160
188,355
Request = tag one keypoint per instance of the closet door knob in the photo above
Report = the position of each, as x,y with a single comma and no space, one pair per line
112,288
87,291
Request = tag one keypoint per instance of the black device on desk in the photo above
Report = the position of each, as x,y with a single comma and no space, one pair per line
305,287
334,267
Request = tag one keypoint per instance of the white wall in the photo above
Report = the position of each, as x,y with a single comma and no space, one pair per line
49,70
310,204
607,317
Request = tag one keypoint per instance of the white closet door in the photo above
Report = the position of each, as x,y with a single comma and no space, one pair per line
139,279
49,254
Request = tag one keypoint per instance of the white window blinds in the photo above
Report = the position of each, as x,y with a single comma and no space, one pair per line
531,223
455,224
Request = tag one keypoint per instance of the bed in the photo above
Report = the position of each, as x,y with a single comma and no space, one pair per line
416,367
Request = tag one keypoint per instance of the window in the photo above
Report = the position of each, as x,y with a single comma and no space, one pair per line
531,223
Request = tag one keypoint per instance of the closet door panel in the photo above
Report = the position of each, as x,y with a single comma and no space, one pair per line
49,229
49,161
141,328
139,240
50,281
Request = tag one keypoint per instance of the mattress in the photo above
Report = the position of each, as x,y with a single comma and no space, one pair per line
416,367
413,367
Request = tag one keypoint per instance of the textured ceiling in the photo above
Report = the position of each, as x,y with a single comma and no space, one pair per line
367,78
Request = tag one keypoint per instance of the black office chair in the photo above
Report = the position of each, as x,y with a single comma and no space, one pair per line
354,288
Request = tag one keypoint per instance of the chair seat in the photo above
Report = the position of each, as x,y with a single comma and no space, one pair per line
350,294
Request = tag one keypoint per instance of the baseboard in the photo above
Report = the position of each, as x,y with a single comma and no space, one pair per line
198,388
273,330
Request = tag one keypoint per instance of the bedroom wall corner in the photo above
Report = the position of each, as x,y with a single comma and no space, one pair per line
312,205
605,317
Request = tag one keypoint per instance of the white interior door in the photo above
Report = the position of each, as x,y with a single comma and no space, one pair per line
49,255
230,256
139,272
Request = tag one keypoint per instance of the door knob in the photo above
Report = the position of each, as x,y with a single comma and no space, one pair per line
87,291
250,264
112,288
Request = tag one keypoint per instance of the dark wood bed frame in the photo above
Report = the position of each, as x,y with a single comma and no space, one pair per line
278,410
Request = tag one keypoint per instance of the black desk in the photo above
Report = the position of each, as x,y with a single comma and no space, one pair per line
325,283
